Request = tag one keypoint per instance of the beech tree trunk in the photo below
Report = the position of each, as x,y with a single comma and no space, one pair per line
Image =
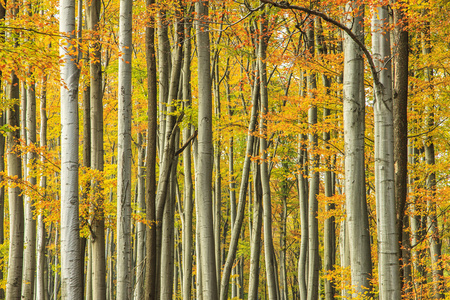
150,189
29,255
205,156
71,274
16,217
388,264
313,225
271,270
355,185
188,186
41,288
97,212
124,253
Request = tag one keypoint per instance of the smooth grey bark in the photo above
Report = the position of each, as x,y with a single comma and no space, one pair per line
124,251
255,248
354,127
150,188
205,155
163,190
384,159
188,186
344,253
282,254
29,263
71,274
302,189
271,271
138,290
86,186
217,200
313,225
97,221
237,225
164,64
41,287
167,243
16,217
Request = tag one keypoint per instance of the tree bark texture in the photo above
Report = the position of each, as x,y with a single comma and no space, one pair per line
355,185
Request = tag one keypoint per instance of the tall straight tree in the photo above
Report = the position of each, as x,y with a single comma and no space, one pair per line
150,188
388,264
16,218
354,125
30,221
313,208
269,254
41,289
205,155
188,187
97,213
124,253
71,273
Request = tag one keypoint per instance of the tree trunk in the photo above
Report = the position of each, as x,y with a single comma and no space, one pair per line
41,291
29,263
16,217
124,251
205,156
354,126
384,159
71,274
150,189
97,211
313,225
255,247
271,272
138,291
187,192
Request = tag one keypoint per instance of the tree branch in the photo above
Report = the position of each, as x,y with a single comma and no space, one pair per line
286,5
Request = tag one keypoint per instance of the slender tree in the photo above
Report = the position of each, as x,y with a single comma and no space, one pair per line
124,253
97,212
269,254
354,125
16,217
388,264
41,289
150,188
71,275
205,155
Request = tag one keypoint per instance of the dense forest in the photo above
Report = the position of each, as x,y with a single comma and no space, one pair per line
226,149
